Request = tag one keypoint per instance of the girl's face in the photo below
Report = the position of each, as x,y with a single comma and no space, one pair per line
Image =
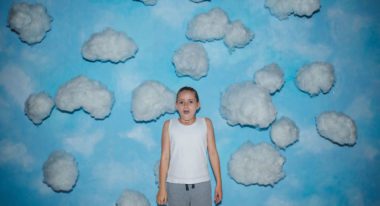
187,105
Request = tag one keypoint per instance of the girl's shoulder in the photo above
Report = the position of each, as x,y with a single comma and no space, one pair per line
207,120
167,123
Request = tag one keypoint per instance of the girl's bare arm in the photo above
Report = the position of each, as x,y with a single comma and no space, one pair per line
214,160
164,164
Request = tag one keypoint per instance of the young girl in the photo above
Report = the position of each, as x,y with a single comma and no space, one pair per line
184,177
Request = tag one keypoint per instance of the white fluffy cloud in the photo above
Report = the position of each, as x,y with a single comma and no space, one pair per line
109,45
87,94
283,8
256,164
142,134
284,132
15,153
150,100
149,2
208,26
38,107
337,127
215,25
270,77
237,35
315,78
191,60
30,21
132,198
60,171
247,104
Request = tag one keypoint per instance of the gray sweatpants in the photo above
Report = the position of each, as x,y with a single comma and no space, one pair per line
189,195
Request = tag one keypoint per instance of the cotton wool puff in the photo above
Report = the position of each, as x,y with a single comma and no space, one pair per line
208,26
237,35
315,78
337,127
284,132
60,171
191,60
38,107
109,45
283,8
30,21
305,7
90,95
257,164
150,100
270,77
132,198
247,104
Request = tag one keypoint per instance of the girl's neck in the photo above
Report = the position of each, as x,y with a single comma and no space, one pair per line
187,122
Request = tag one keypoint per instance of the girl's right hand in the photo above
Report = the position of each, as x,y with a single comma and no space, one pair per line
162,197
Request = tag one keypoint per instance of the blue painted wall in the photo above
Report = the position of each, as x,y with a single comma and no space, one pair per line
318,172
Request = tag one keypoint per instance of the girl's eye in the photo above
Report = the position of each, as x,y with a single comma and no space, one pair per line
191,101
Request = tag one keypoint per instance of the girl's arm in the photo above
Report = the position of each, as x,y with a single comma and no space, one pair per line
162,195
214,159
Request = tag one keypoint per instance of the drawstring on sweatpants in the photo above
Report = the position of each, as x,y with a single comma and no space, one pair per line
187,186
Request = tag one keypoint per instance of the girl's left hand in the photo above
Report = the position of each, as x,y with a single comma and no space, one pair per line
218,194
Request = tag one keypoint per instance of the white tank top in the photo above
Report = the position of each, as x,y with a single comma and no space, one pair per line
188,152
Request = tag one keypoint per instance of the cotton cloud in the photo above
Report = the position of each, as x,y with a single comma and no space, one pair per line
191,60
256,164
87,94
109,45
270,77
30,21
315,78
149,2
247,104
132,198
60,171
337,127
15,153
208,26
284,132
237,35
38,107
150,100
283,8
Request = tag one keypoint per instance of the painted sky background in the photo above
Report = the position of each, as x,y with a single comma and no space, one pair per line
117,153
